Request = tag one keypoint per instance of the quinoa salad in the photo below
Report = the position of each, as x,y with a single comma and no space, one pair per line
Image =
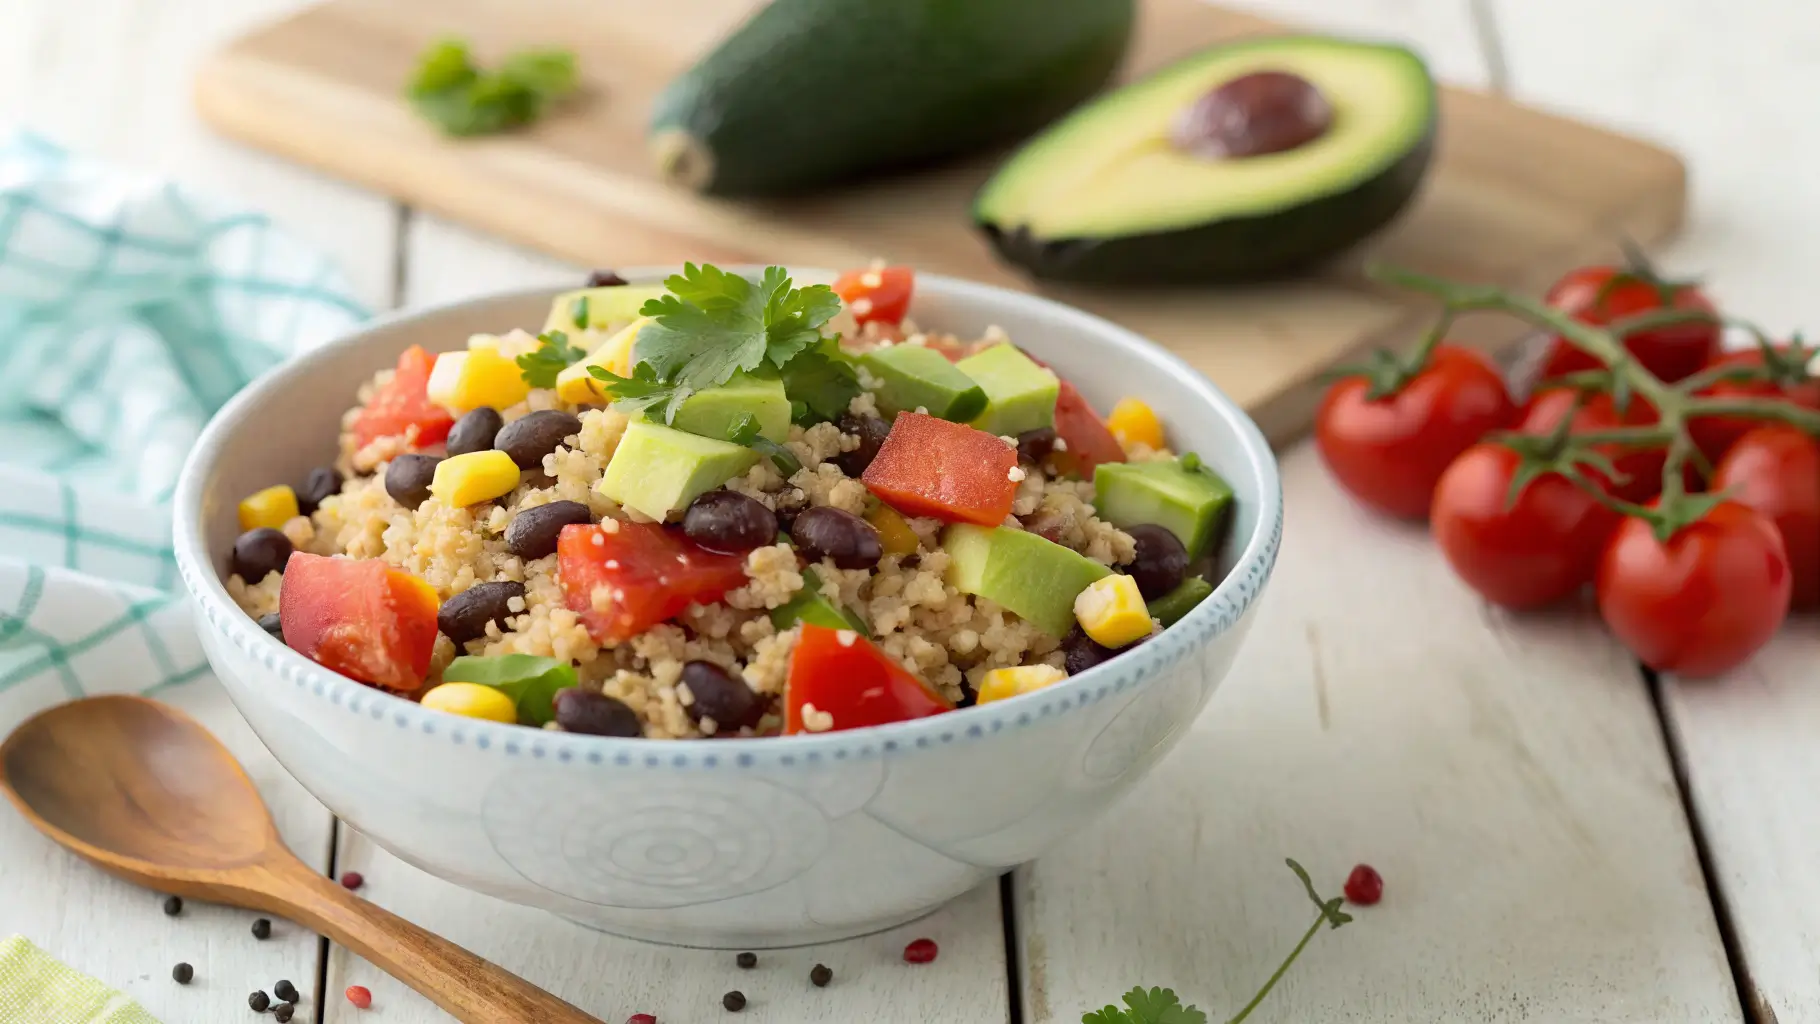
728,506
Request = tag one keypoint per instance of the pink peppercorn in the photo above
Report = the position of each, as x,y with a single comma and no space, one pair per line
921,951
1364,886
360,996
352,880
641,1018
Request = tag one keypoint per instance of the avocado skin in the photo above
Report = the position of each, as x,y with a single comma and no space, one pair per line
1233,250
812,92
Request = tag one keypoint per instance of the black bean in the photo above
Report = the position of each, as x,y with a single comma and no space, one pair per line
262,928
182,974
465,616
272,624
1035,445
594,714
820,976
285,991
529,438
322,482
722,696
729,522
283,1012
604,278
173,905
1080,652
407,479
841,536
746,961
475,431
533,532
1161,563
260,551
734,1001
259,1001
871,432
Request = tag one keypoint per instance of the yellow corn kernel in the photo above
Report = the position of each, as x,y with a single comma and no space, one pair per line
576,385
479,376
271,507
472,700
1133,422
1112,611
475,477
1014,682
894,532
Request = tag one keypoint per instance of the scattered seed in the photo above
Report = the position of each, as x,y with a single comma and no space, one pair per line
820,976
734,1001
352,880
282,1012
747,961
173,905
182,973
1364,886
920,951
262,928
259,1001
285,991
359,995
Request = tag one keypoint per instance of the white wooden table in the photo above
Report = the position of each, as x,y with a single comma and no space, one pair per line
1563,839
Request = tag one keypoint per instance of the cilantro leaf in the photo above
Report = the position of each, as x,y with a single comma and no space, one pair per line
578,313
553,355
454,93
1156,1006
642,392
744,430
822,380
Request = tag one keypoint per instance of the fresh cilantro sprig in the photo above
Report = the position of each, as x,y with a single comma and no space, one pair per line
553,355
455,94
1163,1006
745,431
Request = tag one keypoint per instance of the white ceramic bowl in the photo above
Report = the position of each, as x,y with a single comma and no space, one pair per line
738,842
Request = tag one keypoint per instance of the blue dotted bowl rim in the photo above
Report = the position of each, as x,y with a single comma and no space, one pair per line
1208,620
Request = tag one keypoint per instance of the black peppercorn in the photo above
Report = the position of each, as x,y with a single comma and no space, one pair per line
820,976
173,905
734,1001
182,973
282,1012
747,961
285,991
262,928
259,1001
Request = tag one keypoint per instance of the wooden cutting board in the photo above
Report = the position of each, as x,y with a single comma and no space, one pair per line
1515,196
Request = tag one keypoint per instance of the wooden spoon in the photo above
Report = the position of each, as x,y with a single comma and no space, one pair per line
145,793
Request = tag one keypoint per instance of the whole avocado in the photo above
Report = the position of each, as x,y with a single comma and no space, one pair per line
809,93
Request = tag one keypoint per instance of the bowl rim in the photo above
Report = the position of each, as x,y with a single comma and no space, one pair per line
1216,614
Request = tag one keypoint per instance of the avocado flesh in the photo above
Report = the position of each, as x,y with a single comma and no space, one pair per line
915,377
1020,395
1189,503
712,412
657,470
808,93
1104,195
1036,579
603,307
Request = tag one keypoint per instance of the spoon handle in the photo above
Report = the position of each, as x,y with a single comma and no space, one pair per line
472,990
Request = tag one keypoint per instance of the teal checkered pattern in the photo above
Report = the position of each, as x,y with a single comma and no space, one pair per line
130,310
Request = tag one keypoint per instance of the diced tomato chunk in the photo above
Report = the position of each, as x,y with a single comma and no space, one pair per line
931,467
405,403
839,673
646,573
881,295
360,618
1086,442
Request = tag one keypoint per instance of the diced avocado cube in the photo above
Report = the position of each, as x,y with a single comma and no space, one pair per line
599,308
1036,578
811,606
918,377
1187,502
1020,395
713,412
1170,608
658,470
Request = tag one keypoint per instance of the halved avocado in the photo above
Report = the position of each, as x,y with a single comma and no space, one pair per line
1139,187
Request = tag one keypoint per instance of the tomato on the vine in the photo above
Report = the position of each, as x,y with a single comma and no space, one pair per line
1715,434
1705,601
1534,551
1604,295
1775,469
1388,452
1639,469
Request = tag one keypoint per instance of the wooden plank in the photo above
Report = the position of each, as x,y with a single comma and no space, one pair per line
1515,196
1746,742
1506,775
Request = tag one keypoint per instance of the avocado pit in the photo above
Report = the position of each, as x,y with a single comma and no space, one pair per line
1257,114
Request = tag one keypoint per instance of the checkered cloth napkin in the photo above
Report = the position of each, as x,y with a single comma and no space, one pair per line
130,310
35,989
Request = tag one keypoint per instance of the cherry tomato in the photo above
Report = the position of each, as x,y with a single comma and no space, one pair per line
1639,468
1086,442
1776,470
931,467
1715,434
1703,603
1604,295
1526,554
1388,452
360,618
881,295
844,675
403,407
648,574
